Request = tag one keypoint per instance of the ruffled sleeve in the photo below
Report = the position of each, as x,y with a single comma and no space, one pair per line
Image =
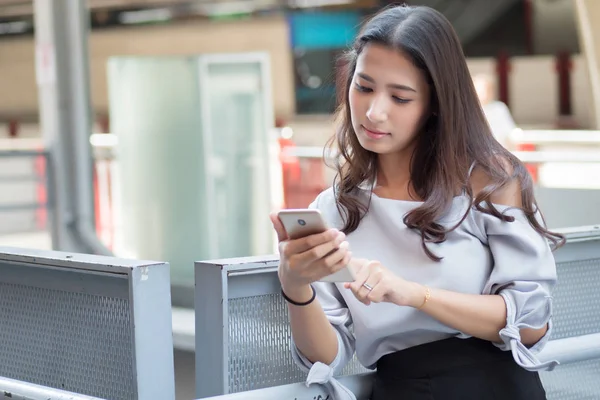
339,316
523,273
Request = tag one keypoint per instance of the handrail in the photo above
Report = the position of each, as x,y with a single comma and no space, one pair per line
23,152
533,157
540,157
19,390
532,136
360,385
572,349
548,137
32,143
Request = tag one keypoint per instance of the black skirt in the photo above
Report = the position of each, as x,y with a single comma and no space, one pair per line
454,369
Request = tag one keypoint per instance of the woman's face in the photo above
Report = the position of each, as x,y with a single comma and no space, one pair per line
389,101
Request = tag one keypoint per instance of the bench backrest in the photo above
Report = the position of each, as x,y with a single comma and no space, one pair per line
98,326
243,336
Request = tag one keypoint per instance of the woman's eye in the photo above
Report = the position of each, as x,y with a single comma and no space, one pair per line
400,100
363,88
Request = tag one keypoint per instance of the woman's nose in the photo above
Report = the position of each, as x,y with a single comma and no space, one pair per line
377,111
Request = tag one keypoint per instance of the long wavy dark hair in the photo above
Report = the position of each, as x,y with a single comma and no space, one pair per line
451,141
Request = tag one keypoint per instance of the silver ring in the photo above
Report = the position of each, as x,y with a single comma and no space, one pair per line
369,288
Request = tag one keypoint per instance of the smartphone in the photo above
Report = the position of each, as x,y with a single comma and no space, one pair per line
299,223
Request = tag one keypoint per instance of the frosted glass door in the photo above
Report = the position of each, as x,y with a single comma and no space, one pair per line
154,104
236,137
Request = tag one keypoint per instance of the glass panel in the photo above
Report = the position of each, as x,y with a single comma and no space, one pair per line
183,194
154,109
239,167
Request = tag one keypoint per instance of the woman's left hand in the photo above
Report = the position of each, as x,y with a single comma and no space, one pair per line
375,284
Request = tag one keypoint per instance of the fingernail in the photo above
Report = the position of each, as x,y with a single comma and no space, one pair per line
344,245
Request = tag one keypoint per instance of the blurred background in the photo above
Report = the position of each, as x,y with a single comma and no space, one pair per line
168,130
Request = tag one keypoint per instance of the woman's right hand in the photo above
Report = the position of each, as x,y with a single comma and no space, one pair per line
309,259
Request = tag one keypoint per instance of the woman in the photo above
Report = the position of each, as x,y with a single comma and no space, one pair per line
453,266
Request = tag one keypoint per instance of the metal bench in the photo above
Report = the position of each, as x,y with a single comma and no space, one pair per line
98,327
568,351
243,339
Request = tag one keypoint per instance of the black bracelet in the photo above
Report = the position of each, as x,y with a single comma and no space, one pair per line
314,295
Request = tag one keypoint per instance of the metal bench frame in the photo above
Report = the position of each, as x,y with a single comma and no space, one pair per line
219,282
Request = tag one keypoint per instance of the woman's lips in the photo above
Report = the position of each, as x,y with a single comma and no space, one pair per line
373,134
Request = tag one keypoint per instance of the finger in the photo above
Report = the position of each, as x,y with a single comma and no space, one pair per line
367,279
355,264
348,263
360,297
338,259
356,286
376,295
375,282
279,229
336,262
361,277
366,288
364,292
301,245
317,261
325,250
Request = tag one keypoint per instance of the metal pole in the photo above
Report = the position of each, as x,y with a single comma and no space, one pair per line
61,33
19,390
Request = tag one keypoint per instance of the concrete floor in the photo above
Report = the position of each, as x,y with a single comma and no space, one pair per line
184,375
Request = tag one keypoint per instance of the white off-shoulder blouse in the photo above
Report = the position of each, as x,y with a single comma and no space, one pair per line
484,255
